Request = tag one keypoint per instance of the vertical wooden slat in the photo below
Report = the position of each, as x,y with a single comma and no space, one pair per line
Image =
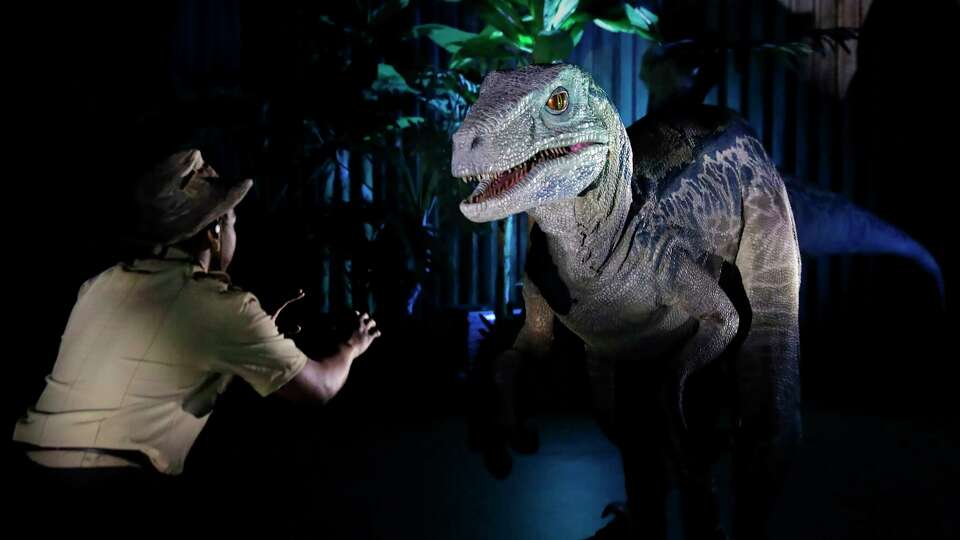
616,68
801,154
796,116
583,54
864,9
463,268
490,265
711,25
603,64
731,32
522,244
767,75
848,15
453,266
779,111
473,298
752,98
825,85
627,72
825,65
509,262
641,92
326,267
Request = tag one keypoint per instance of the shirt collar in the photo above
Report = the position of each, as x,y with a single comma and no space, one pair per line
165,258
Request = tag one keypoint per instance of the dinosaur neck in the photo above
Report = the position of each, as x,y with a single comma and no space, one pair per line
586,230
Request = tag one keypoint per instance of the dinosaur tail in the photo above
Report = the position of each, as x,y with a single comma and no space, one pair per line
828,224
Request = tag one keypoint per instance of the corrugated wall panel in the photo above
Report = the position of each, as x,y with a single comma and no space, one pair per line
800,117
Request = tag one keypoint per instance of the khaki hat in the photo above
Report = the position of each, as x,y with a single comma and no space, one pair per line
180,196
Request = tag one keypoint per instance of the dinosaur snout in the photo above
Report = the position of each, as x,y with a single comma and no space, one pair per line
465,141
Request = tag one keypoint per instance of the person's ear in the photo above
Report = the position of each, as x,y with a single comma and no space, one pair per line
213,236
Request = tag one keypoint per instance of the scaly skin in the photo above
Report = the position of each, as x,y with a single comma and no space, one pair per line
655,248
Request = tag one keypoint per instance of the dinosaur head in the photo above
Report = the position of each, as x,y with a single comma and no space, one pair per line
535,136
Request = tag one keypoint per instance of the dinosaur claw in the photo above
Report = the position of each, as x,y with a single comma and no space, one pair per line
498,462
525,441
615,508
619,527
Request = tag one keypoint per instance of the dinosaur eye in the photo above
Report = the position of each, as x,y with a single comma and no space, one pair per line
557,102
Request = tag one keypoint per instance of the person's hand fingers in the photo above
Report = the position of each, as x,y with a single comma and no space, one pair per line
372,329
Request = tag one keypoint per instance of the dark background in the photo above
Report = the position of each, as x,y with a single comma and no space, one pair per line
880,370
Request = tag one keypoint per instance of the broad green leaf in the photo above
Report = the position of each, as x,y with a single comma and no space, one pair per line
555,12
577,19
576,34
386,11
446,37
536,15
552,47
602,9
641,17
624,25
614,25
408,121
493,45
390,81
502,15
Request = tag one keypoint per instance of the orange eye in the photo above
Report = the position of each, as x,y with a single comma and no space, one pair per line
557,103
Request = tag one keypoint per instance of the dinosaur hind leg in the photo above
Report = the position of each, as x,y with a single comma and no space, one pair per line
767,366
641,435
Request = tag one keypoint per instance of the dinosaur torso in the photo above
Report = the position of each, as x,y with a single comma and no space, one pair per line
633,233
687,188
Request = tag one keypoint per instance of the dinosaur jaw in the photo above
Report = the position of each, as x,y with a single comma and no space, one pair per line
529,184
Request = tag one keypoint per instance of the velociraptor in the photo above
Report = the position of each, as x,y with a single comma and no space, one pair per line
660,247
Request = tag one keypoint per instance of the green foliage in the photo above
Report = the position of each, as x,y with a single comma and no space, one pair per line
353,89
632,20
685,70
519,32
817,41
551,45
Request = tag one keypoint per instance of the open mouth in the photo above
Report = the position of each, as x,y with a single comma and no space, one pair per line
492,185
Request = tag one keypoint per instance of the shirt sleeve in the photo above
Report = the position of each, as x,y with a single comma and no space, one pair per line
252,347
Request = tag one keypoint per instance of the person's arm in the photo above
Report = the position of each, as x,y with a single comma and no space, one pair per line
322,380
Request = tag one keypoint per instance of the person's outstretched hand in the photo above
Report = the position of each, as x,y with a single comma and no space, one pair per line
365,333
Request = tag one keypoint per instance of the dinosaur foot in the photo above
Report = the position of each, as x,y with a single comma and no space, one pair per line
619,527
524,440
497,460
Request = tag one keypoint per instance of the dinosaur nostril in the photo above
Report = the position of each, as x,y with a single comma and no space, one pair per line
466,140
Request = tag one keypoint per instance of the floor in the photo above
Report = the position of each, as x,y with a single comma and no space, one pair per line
858,476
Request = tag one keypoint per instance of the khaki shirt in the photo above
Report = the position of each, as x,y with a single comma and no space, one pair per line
147,350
